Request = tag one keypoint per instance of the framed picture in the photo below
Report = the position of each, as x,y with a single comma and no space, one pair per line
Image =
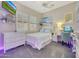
68,17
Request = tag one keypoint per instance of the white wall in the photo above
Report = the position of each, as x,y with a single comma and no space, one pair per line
59,13
6,27
77,17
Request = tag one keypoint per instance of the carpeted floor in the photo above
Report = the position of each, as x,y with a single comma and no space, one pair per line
53,50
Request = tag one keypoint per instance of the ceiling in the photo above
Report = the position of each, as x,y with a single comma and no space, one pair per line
44,6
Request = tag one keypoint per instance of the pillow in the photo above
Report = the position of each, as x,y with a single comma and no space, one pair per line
41,30
45,30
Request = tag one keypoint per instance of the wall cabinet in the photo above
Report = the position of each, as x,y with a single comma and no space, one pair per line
26,22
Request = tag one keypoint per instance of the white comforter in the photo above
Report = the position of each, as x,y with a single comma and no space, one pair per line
14,35
38,40
13,39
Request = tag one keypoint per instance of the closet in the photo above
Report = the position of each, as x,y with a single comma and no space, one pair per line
26,23
21,22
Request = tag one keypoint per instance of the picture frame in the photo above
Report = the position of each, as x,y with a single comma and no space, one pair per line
68,17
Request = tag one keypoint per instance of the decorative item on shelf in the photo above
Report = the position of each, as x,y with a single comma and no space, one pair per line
41,24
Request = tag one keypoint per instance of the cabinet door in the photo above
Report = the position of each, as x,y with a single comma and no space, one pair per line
33,19
33,27
25,17
25,27
22,27
33,24
20,16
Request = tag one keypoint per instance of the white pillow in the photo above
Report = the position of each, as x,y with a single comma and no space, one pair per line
45,30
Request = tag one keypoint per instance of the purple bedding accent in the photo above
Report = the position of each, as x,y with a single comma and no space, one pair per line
1,41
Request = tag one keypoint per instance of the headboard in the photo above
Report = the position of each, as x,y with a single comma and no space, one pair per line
7,27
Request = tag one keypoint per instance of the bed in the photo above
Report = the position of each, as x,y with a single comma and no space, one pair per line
38,40
9,38
13,39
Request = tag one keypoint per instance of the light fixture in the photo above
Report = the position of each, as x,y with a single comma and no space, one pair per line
60,25
48,4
